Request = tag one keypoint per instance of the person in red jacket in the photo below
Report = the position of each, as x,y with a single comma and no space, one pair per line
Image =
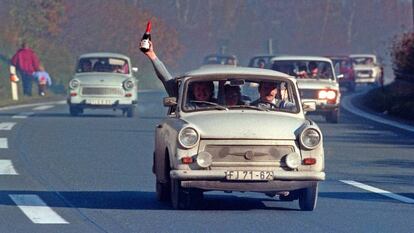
26,62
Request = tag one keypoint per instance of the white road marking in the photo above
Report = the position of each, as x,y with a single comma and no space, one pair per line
6,168
36,209
379,191
23,115
4,143
7,125
44,107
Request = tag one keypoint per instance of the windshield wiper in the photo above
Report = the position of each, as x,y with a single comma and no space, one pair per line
218,106
249,106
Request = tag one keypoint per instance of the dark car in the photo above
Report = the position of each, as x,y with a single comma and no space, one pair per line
344,71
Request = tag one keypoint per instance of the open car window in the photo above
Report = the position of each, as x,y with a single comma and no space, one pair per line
305,69
234,94
103,64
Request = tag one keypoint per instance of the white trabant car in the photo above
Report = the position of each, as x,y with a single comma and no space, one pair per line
316,82
103,80
228,145
366,68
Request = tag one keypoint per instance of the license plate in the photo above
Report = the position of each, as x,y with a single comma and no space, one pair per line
99,102
249,175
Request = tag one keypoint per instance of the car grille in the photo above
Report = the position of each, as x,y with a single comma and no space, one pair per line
308,93
103,91
238,155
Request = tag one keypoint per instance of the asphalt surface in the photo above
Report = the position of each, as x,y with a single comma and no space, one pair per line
93,174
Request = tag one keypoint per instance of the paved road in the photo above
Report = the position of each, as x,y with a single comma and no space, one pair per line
93,174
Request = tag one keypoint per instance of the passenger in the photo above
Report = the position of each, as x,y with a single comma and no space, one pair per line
268,100
85,66
232,95
302,72
261,63
313,68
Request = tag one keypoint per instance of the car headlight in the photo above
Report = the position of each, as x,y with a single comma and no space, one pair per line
128,84
188,137
74,83
310,138
327,94
293,160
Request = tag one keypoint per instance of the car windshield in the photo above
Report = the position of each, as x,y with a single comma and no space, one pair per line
342,66
103,64
220,60
304,69
362,60
234,94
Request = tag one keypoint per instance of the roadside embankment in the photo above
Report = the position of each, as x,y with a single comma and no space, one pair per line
394,100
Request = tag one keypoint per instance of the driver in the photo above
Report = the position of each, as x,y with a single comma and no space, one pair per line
268,100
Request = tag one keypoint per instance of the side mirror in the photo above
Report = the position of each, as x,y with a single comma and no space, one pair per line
169,101
309,106
339,76
135,69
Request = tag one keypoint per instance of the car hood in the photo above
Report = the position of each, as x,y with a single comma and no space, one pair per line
245,125
316,84
101,78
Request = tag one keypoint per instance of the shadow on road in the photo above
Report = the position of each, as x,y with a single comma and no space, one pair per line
141,201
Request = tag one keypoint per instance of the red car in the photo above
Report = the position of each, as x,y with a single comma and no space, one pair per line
344,71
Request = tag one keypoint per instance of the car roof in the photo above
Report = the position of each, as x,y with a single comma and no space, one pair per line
104,54
302,58
233,70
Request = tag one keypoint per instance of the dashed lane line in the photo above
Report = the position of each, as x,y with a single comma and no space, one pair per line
6,167
44,107
4,143
7,125
23,115
379,191
36,209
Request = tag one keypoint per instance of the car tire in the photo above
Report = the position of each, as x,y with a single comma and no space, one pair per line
308,198
183,198
130,112
163,191
75,111
333,116
351,87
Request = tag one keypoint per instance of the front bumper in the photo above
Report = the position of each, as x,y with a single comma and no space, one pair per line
216,180
116,104
221,175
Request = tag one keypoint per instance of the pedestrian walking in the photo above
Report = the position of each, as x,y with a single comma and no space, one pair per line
26,62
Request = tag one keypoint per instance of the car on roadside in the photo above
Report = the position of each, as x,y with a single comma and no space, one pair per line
316,82
103,81
366,68
213,146
221,59
344,72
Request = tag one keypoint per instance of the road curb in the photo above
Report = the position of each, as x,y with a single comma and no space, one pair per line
346,103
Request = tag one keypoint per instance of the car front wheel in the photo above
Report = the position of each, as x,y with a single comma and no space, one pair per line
183,198
163,191
308,198
333,116
75,111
